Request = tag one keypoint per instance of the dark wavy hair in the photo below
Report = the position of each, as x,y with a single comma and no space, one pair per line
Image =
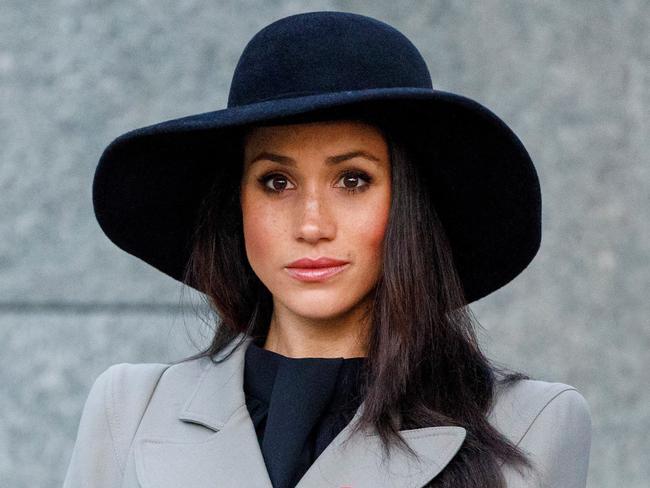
424,367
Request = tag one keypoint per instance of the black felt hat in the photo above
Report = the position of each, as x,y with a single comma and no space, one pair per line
150,181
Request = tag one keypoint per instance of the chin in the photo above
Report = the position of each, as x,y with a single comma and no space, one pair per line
318,307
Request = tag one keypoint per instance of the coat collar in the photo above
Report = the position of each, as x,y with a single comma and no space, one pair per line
231,453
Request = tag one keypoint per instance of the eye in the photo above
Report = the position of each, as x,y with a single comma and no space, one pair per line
353,177
350,180
273,177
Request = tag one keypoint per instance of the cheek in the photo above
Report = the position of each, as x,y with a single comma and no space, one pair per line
260,225
253,233
368,231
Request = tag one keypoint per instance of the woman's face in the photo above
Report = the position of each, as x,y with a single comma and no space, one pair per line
314,190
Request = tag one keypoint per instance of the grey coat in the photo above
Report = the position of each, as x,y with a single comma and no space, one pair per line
187,425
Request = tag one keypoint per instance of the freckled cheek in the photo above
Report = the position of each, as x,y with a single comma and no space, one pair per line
369,231
261,226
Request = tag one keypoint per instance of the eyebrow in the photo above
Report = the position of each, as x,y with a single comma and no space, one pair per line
331,160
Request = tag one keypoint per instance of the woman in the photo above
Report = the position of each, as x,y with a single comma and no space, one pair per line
338,216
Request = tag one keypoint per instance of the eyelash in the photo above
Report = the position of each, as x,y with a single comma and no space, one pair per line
264,179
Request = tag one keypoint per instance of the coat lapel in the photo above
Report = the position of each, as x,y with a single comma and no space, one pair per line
228,453
357,463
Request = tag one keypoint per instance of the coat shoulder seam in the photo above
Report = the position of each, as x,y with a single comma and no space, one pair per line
549,401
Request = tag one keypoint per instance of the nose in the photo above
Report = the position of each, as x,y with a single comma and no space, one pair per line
314,220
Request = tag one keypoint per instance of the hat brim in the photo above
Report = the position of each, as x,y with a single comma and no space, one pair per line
149,182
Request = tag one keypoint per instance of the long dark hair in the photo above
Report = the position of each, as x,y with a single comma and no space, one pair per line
424,367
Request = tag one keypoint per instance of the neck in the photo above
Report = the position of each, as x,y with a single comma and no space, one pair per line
309,341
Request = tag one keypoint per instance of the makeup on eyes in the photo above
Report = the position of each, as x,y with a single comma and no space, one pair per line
351,173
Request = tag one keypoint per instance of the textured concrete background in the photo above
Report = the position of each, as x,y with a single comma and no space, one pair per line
571,78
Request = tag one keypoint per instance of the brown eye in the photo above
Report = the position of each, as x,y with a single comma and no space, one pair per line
277,182
351,180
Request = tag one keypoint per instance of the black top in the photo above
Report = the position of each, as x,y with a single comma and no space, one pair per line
298,405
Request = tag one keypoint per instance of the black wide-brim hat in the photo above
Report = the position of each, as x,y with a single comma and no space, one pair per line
149,182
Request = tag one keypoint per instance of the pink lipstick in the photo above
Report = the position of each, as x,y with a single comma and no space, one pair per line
314,270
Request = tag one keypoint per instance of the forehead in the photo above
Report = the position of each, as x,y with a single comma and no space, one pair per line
320,133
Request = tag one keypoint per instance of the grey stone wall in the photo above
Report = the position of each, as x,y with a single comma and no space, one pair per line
571,78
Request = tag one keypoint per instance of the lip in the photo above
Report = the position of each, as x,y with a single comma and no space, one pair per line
315,274
313,270
321,262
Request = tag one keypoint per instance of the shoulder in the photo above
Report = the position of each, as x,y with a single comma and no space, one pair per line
114,407
103,435
549,421
130,385
126,383
127,388
519,405
119,396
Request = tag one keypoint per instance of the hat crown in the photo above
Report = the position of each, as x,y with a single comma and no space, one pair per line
317,53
